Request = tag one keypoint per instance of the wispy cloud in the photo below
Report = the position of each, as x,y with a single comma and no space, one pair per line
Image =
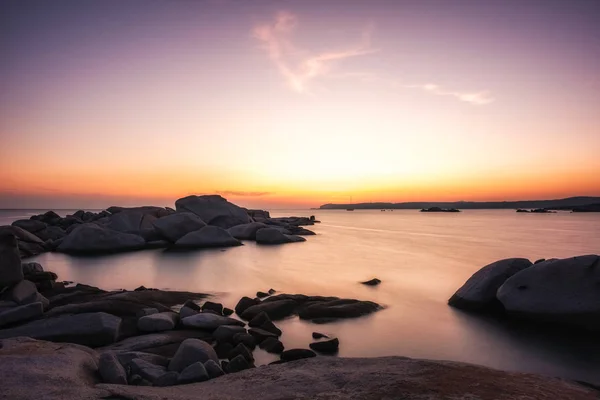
299,66
242,193
477,98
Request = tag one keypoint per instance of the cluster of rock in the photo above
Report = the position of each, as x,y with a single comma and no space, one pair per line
558,291
439,209
196,222
536,211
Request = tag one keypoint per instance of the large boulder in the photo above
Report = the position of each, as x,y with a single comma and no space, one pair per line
209,236
92,238
163,343
158,322
275,236
246,231
214,210
479,292
30,225
135,222
209,321
29,244
93,329
155,211
191,351
10,260
51,233
175,226
560,290
21,313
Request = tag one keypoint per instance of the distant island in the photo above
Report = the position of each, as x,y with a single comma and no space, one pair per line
579,203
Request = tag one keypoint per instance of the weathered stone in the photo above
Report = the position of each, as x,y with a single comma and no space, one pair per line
343,308
146,311
175,226
227,311
246,231
191,351
163,343
92,238
259,335
479,292
111,370
216,307
245,303
274,309
21,313
225,333
31,268
563,291
158,322
209,321
30,225
372,282
317,335
185,312
10,261
213,369
246,339
272,345
214,209
242,350
24,292
195,372
92,329
126,357
237,364
150,372
167,379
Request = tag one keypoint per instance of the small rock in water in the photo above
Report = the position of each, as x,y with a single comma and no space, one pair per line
297,354
330,346
192,304
272,345
245,338
195,372
225,333
260,334
186,311
372,282
324,320
261,295
245,303
258,320
227,311
272,291
269,326
317,335
240,349
216,307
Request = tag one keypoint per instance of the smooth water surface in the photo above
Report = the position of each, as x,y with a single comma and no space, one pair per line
422,258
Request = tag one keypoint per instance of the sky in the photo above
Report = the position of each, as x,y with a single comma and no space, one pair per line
282,104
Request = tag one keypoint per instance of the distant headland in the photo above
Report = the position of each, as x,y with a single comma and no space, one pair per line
569,203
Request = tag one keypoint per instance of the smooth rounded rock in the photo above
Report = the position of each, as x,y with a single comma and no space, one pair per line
213,369
297,354
195,372
111,370
209,321
191,351
159,322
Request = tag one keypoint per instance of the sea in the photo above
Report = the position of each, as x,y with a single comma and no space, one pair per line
421,259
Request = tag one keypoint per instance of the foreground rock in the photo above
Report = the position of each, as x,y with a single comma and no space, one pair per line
479,292
564,291
10,260
43,370
92,238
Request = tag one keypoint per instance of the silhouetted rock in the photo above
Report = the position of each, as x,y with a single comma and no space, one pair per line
297,354
175,226
439,209
479,292
246,339
588,208
274,309
561,291
21,313
214,210
227,311
274,236
238,364
11,271
372,282
216,307
260,335
262,295
272,345
163,321
148,371
51,233
225,333
242,350
213,369
343,308
244,304
209,236
246,231
330,346
317,335
28,243
91,238
168,379
164,343
30,225
195,372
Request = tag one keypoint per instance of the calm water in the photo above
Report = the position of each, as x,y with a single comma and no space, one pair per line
421,259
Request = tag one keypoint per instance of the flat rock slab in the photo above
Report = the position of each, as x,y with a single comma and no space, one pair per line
21,313
94,329
368,378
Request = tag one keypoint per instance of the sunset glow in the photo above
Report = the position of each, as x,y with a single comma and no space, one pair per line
278,104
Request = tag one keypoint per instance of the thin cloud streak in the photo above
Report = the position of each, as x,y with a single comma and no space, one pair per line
476,98
294,64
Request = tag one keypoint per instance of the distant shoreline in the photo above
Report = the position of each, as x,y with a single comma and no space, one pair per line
557,204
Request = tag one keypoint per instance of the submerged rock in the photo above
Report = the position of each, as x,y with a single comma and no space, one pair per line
275,236
372,282
479,292
330,346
